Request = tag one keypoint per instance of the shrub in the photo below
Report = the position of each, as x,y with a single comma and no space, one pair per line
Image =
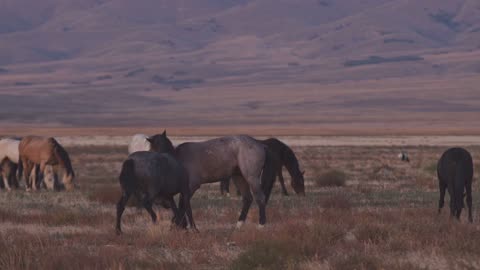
269,254
331,178
338,201
357,261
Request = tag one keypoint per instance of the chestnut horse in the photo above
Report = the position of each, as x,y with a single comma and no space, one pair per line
43,151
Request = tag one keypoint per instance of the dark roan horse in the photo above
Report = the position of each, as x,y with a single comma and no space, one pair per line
241,156
455,173
150,176
283,156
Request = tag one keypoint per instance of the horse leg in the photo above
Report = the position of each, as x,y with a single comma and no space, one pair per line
225,186
6,177
39,176
26,172
441,201
260,200
247,198
188,209
147,204
469,201
13,175
120,208
282,182
173,206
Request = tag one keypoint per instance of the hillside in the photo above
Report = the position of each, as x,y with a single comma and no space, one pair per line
305,63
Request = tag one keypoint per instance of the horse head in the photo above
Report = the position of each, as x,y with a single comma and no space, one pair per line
161,143
297,183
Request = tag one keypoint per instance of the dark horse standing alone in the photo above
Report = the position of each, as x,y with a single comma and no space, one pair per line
455,173
150,175
241,156
282,155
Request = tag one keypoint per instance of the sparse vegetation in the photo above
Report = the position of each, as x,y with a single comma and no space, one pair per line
361,226
331,178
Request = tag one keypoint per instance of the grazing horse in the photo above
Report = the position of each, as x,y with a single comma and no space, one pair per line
139,143
43,151
455,173
9,150
8,169
150,175
282,156
241,156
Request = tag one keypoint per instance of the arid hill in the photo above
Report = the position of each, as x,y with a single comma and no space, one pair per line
386,65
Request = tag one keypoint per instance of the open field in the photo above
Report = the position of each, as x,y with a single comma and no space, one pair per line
382,217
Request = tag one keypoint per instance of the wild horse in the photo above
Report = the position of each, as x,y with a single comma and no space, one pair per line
43,151
283,156
455,173
150,175
241,156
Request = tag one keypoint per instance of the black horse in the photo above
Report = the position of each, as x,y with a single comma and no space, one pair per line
455,173
282,155
150,176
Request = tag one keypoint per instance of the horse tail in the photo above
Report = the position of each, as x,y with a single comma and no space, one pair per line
127,175
459,183
268,174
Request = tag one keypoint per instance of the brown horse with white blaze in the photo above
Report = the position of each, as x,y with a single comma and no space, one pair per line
43,151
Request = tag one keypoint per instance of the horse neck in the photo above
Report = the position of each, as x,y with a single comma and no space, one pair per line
63,159
290,162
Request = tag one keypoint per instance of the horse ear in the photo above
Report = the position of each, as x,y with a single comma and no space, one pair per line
164,133
149,139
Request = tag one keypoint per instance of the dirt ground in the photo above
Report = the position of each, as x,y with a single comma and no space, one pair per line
363,209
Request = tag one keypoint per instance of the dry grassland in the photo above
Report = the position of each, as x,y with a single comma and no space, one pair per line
381,214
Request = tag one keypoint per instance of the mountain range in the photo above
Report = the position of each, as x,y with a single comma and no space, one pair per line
358,64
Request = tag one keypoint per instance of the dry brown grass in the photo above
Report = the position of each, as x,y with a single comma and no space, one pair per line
368,224
331,178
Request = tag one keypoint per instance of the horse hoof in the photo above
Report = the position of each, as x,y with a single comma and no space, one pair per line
261,226
239,224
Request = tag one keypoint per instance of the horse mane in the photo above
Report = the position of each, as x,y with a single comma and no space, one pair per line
290,161
62,157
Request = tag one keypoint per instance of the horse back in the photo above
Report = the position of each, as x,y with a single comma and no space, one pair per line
38,149
221,157
9,149
455,168
155,172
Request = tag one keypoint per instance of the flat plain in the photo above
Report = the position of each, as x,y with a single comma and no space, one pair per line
363,209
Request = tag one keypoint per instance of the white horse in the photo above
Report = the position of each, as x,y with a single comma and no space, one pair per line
9,149
139,143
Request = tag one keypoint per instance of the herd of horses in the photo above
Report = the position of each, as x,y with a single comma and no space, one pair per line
33,157
155,171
